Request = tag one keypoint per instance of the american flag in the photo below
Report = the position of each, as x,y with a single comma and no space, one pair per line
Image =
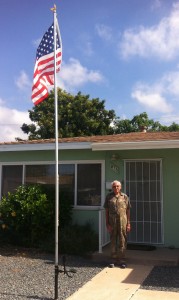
44,64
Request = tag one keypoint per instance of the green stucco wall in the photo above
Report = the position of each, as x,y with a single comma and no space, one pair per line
170,171
82,217
115,170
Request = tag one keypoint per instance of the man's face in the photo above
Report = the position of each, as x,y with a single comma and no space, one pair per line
116,188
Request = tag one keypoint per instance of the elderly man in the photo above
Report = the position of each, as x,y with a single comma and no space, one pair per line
117,208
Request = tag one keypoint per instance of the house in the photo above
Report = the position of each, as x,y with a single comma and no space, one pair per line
147,164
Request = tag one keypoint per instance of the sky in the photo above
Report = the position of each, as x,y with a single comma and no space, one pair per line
125,52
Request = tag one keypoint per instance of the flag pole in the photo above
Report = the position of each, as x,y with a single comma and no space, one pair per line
56,162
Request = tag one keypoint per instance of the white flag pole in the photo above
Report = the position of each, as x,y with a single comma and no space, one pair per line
56,161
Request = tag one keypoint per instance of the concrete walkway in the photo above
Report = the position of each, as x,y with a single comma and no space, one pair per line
158,257
124,284
113,284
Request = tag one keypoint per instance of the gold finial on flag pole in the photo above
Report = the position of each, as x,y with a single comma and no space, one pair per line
54,8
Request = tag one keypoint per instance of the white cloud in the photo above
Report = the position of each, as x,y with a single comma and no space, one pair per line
36,42
168,119
104,32
2,102
23,81
74,75
156,4
155,96
153,101
88,49
10,122
161,40
170,83
85,44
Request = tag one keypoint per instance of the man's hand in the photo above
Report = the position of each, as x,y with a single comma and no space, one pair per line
109,228
128,228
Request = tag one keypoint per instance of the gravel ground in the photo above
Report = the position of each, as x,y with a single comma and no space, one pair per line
30,275
162,278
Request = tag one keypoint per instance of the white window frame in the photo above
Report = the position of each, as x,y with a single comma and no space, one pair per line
74,162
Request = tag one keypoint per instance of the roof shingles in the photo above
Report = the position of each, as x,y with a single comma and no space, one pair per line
126,137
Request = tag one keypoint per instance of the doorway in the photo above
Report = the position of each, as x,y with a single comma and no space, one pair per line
143,185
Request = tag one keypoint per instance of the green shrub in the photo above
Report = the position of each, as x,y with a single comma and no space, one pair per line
78,240
27,218
73,240
28,215
65,207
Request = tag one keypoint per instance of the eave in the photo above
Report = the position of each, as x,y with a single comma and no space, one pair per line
128,141
43,147
136,145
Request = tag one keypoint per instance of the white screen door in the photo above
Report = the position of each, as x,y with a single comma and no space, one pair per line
143,186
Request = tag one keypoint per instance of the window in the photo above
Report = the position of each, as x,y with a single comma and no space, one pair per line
81,182
11,178
89,184
67,180
42,174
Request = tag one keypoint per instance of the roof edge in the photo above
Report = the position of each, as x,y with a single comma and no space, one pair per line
136,145
43,147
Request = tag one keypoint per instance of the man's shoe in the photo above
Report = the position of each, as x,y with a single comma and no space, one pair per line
123,265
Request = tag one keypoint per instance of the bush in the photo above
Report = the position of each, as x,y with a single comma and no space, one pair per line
28,215
65,207
78,240
27,218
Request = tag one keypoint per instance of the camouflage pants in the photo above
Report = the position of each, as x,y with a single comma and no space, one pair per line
118,236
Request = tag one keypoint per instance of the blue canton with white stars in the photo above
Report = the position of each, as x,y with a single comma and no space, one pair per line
47,43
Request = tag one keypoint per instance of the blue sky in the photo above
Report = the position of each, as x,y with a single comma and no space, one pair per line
125,52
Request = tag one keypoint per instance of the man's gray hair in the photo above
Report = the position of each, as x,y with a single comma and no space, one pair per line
115,182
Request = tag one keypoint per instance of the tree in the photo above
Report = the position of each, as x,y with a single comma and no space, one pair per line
137,123
140,121
123,126
77,116
173,127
